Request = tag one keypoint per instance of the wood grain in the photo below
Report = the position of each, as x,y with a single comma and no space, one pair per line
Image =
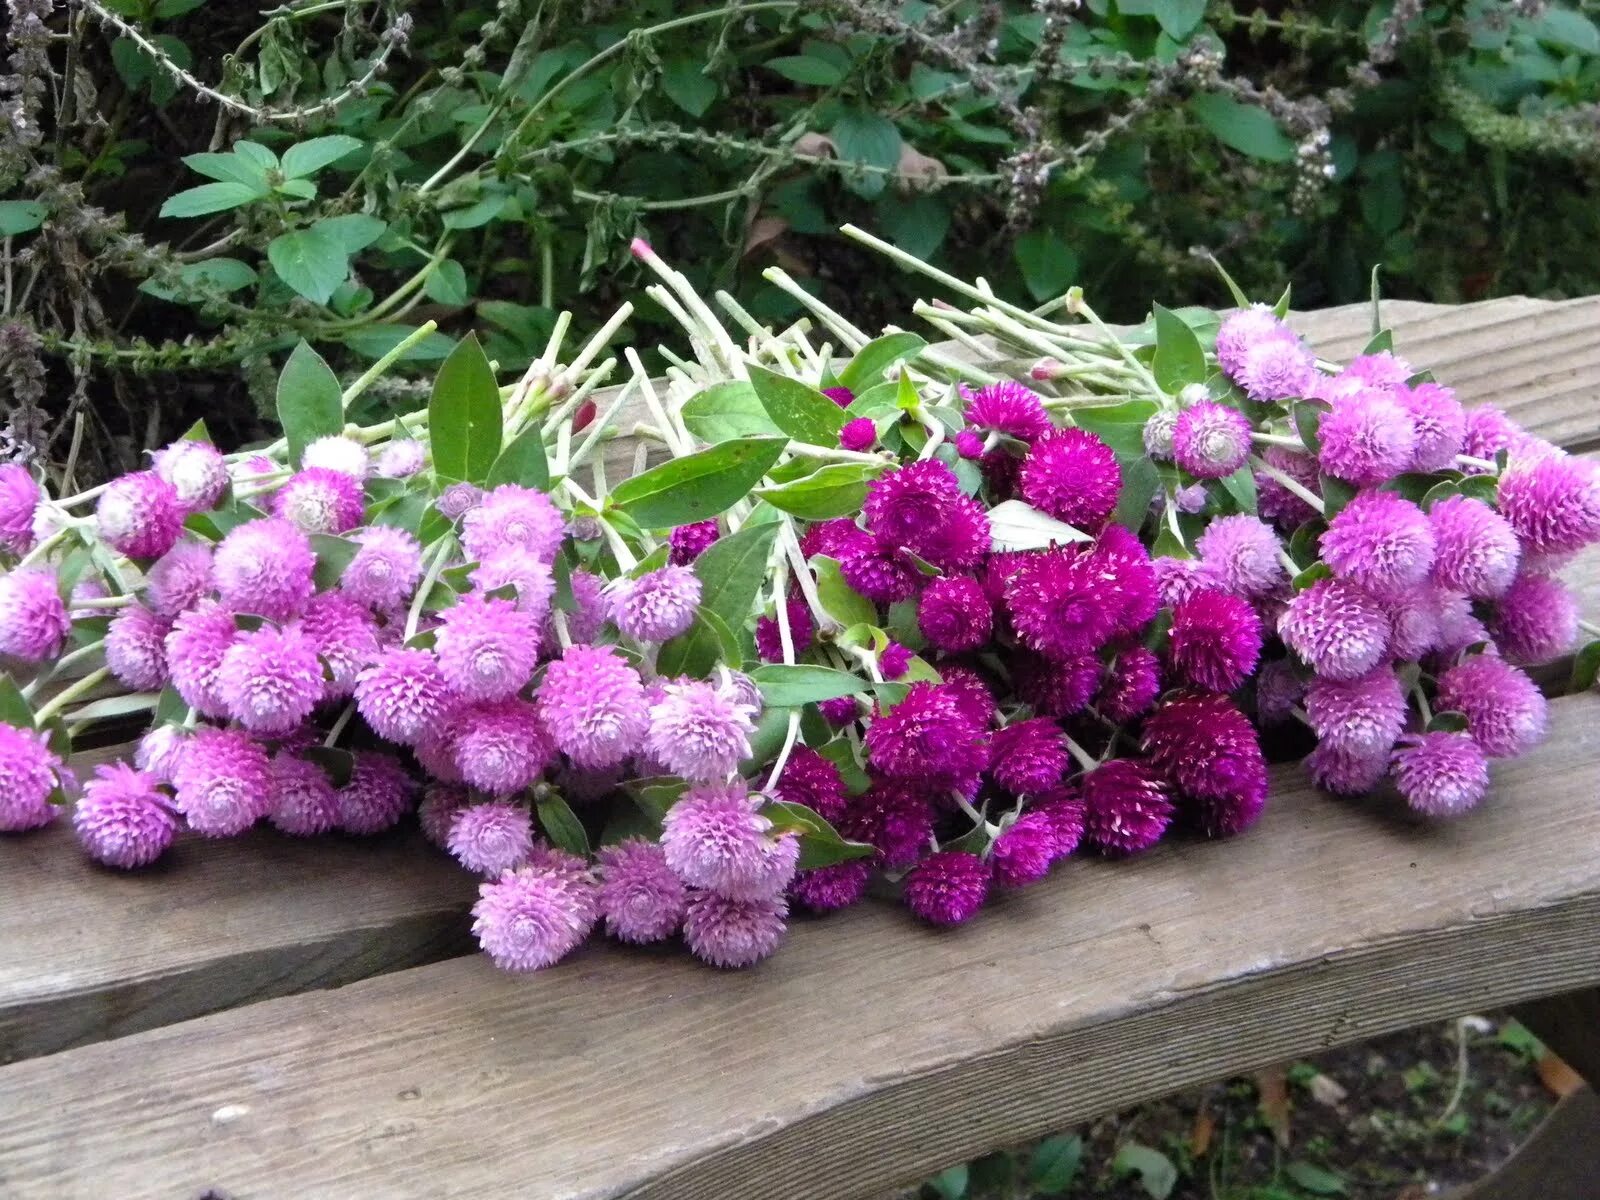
867,1052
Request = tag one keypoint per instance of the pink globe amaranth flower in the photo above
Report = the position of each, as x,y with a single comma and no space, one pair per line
377,794
459,499
954,614
1241,555
734,933
1476,550
122,819
534,916
440,804
895,661
1553,503
1345,774
29,773
1367,438
335,452
828,889
1072,475
1535,620
894,818
1056,689
89,588
1382,369
1132,683
1277,503
1211,440
971,694
689,542
921,508
19,498
33,619
1065,812
304,802
158,751
697,731
1279,689
139,515
640,898
588,615
1023,852
1440,774
1215,641
714,838
1413,621
858,435
1440,423
1336,628
199,639
532,579
401,459
270,679
927,736
317,500
510,515
1208,748
1276,369
812,780
1126,807
1381,541
1245,328
1458,627
223,782
500,745
1361,716
385,570
769,637
1179,578
1506,713
1009,408
593,704
1490,431
196,471
487,648
491,838
842,396
344,636
880,572
136,651
403,694
1061,603
1028,756
947,887
179,579
658,605
264,567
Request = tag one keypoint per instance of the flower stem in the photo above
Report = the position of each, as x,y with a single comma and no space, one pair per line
87,684
1483,464
1085,760
365,379
1289,484
1278,439
440,556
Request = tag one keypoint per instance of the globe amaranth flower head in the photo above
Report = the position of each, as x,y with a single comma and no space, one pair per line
658,605
29,773
222,782
733,933
769,635
377,794
1214,642
531,578
317,500
1029,756
511,515
1381,541
33,618
828,889
136,651
921,508
1132,683
947,887
1343,773
1133,590
1126,806
139,515
265,567
842,396
1024,850
1072,475
895,818
304,802
1061,603
158,751
401,459
927,736
689,542
403,694
1536,619
1440,424
122,819
1440,774
1358,716
593,705
1338,629
858,434
809,779
1007,407
459,499
19,498
179,579
698,731
1210,751
881,572
440,804
196,471
1065,812
199,639
1552,502
1243,329
1489,431
1367,438
500,745
335,452
1211,440
1056,688
1277,503
1159,432
487,647
1279,689
1382,369
714,838
1475,549
1241,555
534,916
640,898
344,636
491,838
1276,369
270,679
954,614
971,694
1506,713
385,570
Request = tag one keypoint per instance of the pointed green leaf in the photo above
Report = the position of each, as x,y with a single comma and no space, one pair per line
334,555
1179,359
1120,426
20,216
229,168
209,198
785,686
697,486
464,419
522,462
310,401
839,600
561,825
726,411
731,572
1241,485
802,412
307,158
836,490
872,362
1585,667
1234,290
14,708
311,261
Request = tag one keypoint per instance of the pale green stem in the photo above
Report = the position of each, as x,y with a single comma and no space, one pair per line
1589,627
1422,705
1076,304
366,378
85,685
44,548
1085,760
1483,464
338,726
841,328
1290,485
438,556
105,602
1278,439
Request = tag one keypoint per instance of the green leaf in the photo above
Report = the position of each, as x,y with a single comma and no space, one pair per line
1307,419
1047,263
374,341
256,153
522,462
1319,1181
170,707
1055,1164
307,158
951,1183
476,214
698,650
802,412
1380,341
726,411
784,686
1234,290
1140,479
1312,574
1567,29
311,261
1585,668
1448,722
686,84
333,557
1241,485
1156,1173
310,401
697,486
880,400
1179,359
839,600
866,137
447,283
464,420
820,843
354,231
561,825
20,216
1015,525
1336,493
165,10
1179,18
1244,127
836,490
224,274
209,198
873,361
14,708
300,189
1120,426
801,68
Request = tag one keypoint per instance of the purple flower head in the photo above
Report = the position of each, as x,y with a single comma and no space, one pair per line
769,637
1159,433
1535,620
921,508
530,577
895,661
1209,749
880,572
199,639
1126,807
714,838
1278,690
534,916
1337,628
1072,475
1240,554
403,694
947,888
1490,431
1009,408
590,607
304,802
828,889
401,459
1552,502
1245,328
658,605
487,648
1440,774
699,732
377,794
270,679
440,804
836,538
1380,370
858,435
510,515
122,819
1413,621
1277,503
969,444
1382,542
1276,369
1440,423
318,500
29,772
1132,683
1457,627
1061,603
158,751
1178,578
689,542
1215,641
894,818
139,515
813,781
593,704
1065,812
1506,713
734,933
1056,688
1133,590
927,736
491,838
1361,717
196,471
1367,438
1343,773
179,578
1027,757
136,650
842,396
640,898
344,636
954,614
457,500
385,570
1211,440
841,710
335,452
19,498
264,567
500,746
90,587
223,782
33,619
1476,550
1023,852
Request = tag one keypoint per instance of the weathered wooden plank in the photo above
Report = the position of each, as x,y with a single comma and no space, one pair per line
869,1047
1560,1160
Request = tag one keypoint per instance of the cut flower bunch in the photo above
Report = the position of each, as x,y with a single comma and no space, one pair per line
801,619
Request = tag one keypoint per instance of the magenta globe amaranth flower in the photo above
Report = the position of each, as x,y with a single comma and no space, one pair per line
530,578
304,802
491,838
136,651
1506,713
385,570
1241,555
534,916
813,781
500,746
734,933
1009,408
1056,689
335,452
199,639
769,634
948,887
29,773
1338,629
842,396
828,889
1061,602
1028,756
954,614
1440,774
921,508
1279,689
1475,549
179,579
319,500
880,572
640,898
1211,440
1132,683
1360,716
1552,502
1344,773
969,444
1535,620
510,515
222,782
19,498
270,679
1072,475
1381,541
658,605
139,515
689,542
894,818
1367,438
403,694
196,470
486,648
1381,369
1210,751
1065,812
123,820
927,736
1024,850
593,705
858,435
440,804
1275,369
264,567
841,710
1126,807
158,751
377,794
714,838
33,618
401,459
1215,640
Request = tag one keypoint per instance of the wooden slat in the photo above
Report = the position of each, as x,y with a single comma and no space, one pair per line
870,1049
1561,1160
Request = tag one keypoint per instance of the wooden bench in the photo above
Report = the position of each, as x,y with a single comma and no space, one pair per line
254,1019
